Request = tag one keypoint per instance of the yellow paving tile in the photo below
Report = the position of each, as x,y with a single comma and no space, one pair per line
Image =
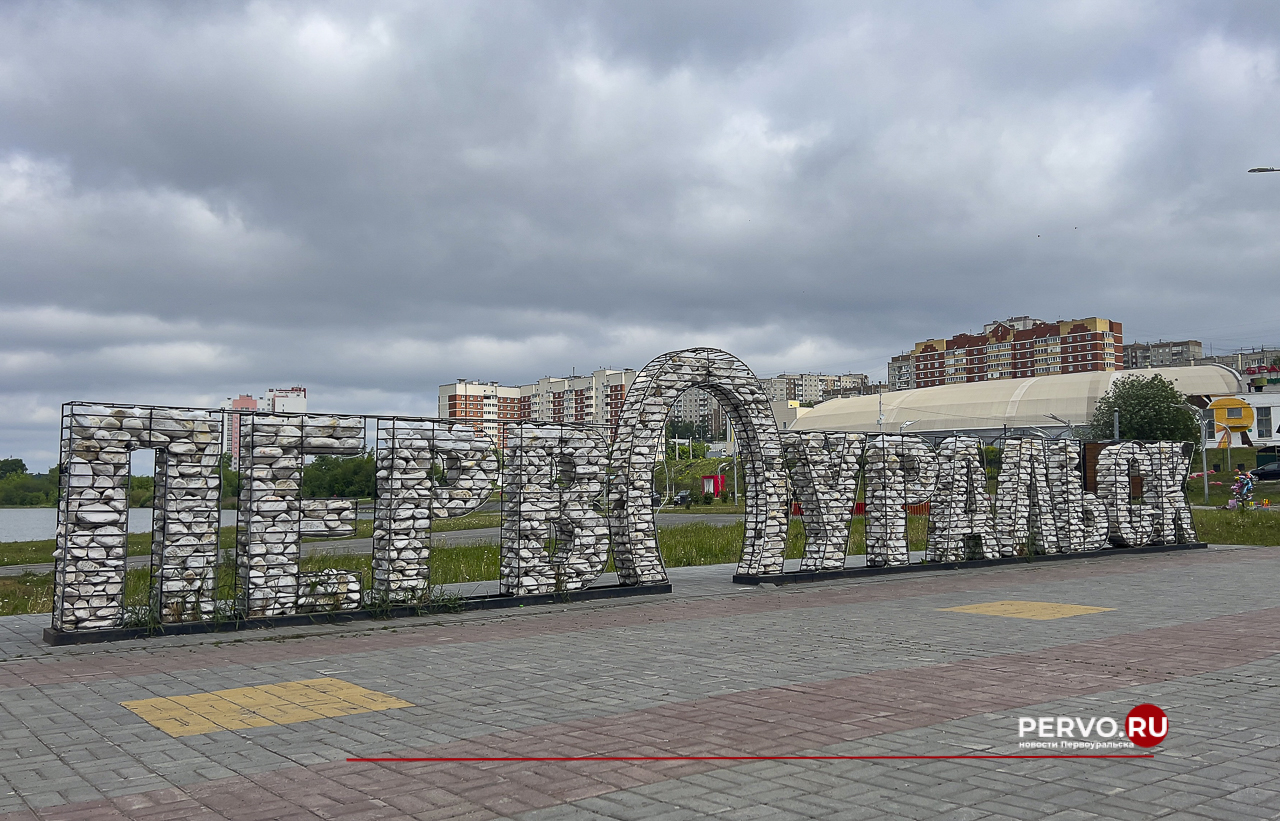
174,719
1036,610
354,694
299,698
265,706
269,705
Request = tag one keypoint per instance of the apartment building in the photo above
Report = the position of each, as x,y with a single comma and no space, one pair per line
1015,348
1162,354
488,404
595,398
902,372
698,407
1260,367
275,400
812,388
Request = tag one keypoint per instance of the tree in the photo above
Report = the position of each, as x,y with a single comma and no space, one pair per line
142,491
330,476
1151,409
22,489
11,466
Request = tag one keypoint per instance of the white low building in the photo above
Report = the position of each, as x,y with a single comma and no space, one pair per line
990,409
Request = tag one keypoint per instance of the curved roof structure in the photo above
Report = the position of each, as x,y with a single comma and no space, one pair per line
1004,403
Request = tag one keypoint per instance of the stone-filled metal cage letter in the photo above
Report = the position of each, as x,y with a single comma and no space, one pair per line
554,534
824,470
640,436
427,469
93,512
273,515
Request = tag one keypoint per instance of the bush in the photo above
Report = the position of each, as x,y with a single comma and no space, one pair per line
29,490
330,476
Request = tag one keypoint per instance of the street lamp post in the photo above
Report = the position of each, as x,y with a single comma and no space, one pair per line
1060,421
1262,170
904,425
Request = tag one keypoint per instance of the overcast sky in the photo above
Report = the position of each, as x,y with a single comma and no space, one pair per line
370,199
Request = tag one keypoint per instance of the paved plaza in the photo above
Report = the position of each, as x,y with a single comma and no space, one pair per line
260,725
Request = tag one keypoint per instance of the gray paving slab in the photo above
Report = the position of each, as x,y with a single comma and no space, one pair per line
479,678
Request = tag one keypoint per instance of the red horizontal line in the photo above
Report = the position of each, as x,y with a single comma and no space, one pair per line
749,757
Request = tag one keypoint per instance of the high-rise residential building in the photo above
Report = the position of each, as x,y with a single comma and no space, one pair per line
811,388
231,425
595,398
1014,348
902,372
1162,354
698,407
487,403
287,400
276,400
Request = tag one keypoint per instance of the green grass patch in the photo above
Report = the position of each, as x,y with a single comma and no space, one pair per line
1258,527
41,551
28,593
472,521
690,545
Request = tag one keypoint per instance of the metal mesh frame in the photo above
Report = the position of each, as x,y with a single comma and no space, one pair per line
640,431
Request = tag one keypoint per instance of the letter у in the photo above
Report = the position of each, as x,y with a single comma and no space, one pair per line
824,472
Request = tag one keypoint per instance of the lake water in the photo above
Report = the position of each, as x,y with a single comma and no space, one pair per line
27,524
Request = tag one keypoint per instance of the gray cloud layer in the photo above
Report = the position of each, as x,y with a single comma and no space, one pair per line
373,198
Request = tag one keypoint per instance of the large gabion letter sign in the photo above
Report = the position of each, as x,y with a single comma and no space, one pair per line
569,496
92,513
640,437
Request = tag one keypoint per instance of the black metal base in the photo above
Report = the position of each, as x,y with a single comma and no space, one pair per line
801,576
495,602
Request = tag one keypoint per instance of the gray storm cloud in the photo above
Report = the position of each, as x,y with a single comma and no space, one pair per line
373,198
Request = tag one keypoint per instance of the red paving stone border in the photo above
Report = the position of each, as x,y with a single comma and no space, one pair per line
168,659
769,721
